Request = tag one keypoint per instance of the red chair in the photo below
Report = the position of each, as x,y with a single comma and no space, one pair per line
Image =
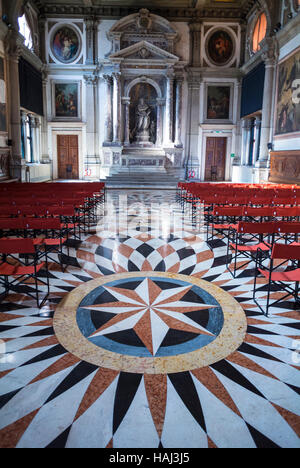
53,239
282,280
223,219
261,214
241,242
20,262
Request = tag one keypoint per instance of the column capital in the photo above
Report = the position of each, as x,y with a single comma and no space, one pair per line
13,45
89,23
91,80
108,79
170,75
23,117
257,121
160,101
270,51
32,120
195,25
126,101
116,76
246,124
179,79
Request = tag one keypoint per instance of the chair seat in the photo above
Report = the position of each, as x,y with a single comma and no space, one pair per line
288,276
69,225
251,248
13,270
55,241
28,270
6,269
225,226
38,241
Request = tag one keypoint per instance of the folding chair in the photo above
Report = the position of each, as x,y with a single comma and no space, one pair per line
53,237
261,214
287,231
223,219
243,247
284,279
14,270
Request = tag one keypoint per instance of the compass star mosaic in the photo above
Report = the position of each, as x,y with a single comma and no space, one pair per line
144,329
157,323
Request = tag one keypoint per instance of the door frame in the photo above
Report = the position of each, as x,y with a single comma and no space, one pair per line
70,130
214,134
75,170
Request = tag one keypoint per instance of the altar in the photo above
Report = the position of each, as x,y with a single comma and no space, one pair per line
144,86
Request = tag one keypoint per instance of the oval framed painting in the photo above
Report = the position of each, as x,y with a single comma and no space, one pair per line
66,44
220,47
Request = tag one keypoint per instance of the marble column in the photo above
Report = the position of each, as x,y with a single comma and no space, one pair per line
91,82
37,139
160,103
116,107
169,110
236,149
13,51
24,118
246,134
108,119
45,159
195,42
42,38
193,131
33,130
257,130
178,142
90,39
126,103
269,56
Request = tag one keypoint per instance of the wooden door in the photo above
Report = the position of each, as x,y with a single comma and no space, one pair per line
215,158
67,156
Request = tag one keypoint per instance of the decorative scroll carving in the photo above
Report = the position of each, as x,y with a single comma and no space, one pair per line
285,167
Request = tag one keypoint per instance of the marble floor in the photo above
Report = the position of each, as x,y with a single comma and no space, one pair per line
147,341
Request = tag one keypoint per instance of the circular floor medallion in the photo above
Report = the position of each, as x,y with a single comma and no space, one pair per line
150,322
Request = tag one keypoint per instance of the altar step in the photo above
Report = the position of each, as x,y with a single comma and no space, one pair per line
140,180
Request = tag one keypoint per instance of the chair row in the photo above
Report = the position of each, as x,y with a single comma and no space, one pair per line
267,242
222,218
245,239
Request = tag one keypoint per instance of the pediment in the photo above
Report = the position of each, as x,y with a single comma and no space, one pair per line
144,50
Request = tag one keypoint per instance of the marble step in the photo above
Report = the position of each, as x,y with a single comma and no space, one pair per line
138,180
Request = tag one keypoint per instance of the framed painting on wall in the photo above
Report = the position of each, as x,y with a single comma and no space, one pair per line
288,95
3,110
66,100
220,47
218,102
65,44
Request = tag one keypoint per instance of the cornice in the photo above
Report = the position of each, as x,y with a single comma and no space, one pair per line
255,60
290,30
170,13
33,59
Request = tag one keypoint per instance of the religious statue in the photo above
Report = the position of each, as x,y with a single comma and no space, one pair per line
143,122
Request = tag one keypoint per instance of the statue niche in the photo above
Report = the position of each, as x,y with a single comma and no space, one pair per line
143,115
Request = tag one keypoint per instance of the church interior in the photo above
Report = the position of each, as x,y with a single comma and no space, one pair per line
149,224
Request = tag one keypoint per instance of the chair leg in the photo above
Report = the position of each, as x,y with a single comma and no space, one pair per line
296,292
37,290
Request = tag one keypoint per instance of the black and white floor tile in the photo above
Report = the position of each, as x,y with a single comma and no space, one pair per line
53,395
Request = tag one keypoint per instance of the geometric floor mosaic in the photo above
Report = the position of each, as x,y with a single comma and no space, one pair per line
147,341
